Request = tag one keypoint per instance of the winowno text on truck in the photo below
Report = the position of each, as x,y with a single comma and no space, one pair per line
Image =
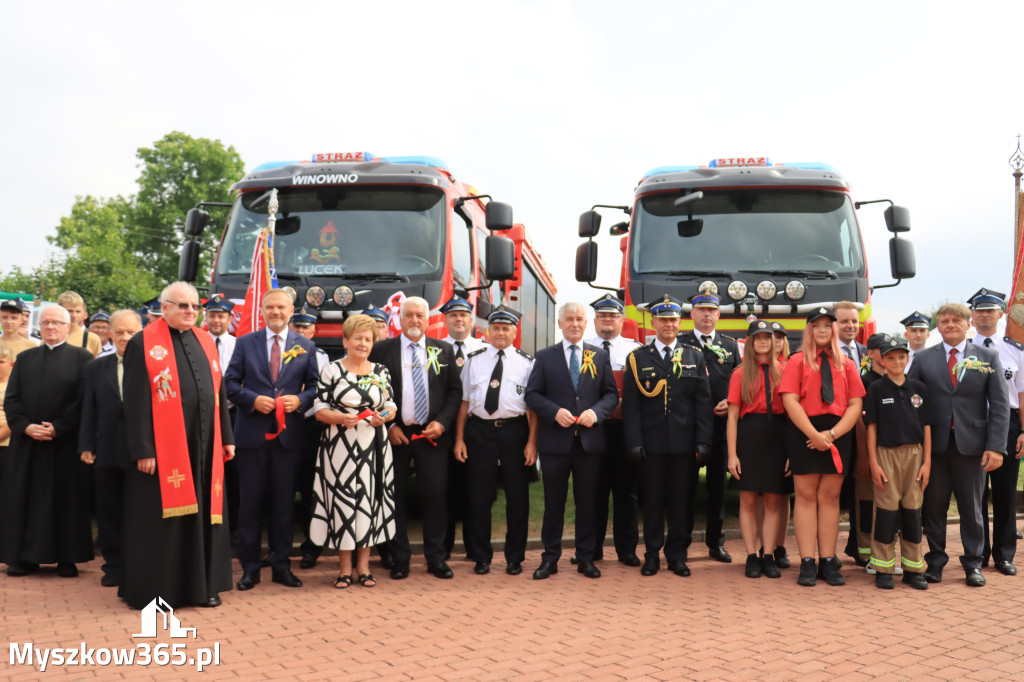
353,229
772,240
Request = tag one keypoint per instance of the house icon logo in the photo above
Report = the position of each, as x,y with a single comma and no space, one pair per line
150,620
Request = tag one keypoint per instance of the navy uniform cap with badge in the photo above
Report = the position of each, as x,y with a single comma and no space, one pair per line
375,313
916,320
218,303
457,304
303,317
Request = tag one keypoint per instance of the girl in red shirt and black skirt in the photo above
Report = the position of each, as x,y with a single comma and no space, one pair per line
757,447
822,393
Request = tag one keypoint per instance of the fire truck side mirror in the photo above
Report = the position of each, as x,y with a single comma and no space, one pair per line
499,217
897,219
619,228
500,254
188,264
195,222
590,225
901,258
586,262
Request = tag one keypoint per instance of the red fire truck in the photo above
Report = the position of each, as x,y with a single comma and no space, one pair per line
772,240
352,229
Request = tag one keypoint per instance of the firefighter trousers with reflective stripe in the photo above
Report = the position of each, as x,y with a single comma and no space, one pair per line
898,507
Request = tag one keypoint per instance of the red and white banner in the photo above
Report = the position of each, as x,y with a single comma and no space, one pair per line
262,278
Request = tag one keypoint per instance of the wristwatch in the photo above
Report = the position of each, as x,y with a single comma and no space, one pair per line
832,433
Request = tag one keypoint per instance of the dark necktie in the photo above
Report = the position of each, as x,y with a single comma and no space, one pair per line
494,388
952,364
218,344
574,367
849,352
458,350
828,393
668,354
767,388
988,343
705,338
275,359
607,345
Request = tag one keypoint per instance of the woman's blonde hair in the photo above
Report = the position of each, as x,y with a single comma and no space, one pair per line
359,323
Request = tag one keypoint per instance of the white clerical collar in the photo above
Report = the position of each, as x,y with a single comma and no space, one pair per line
55,345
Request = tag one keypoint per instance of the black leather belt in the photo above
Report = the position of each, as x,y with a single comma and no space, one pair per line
499,423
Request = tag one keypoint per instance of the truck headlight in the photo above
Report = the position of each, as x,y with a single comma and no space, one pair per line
766,290
795,290
343,295
315,296
737,290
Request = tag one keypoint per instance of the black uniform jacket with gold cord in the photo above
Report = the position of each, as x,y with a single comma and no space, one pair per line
666,406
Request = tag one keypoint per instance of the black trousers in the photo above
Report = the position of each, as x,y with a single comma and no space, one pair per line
432,476
457,503
109,486
665,483
964,477
266,478
490,447
1003,544
714,482
619,477
304,483
555,468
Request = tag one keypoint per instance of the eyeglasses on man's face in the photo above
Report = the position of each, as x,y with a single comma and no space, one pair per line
185,306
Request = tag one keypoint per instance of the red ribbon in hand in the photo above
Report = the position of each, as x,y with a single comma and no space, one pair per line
429,440
836,459
279,414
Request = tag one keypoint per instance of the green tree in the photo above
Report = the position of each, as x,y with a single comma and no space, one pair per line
92,257
178,172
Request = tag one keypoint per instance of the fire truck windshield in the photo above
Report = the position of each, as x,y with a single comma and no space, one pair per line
733,230
342,231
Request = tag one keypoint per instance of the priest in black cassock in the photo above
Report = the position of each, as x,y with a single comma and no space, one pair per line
175,529
45,495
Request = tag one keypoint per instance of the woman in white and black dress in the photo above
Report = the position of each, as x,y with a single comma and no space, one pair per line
354,488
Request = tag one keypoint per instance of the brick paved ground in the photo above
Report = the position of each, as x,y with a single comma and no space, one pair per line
714,625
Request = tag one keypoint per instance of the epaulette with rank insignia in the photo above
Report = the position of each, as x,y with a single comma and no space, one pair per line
1014,342
478,351
524,353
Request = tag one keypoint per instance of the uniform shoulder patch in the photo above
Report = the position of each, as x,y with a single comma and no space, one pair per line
1014,342
478,351
524,353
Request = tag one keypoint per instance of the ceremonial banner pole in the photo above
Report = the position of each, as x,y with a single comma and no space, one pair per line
1015,306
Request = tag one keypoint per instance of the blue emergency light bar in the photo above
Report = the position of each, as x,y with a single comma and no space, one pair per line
764,162
357,157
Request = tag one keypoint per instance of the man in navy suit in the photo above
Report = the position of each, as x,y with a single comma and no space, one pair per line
273,372
969,412
102,440
572,390
428,394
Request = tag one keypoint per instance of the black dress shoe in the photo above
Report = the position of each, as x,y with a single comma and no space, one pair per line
249,580
307,561
514,568
109,580
67,570
286,578
386,560
545,570
933,574
19,569
588,569
1006,568
679,567
1020,536
574,560
884,581
440,570
630,559
915,580
399,571
651,566
975,578
482,568
719,554
265,561
212,602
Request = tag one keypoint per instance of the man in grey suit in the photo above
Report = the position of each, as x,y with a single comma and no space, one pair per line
968,411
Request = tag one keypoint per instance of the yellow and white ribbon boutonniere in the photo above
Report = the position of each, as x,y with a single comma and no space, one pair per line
721,353
971,362
588,364
432,362
371,380
293,353
677,362
865,364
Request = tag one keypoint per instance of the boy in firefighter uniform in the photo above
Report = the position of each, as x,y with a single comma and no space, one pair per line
899,447
667,418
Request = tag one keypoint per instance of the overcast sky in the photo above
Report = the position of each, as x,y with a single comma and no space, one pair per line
550,106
